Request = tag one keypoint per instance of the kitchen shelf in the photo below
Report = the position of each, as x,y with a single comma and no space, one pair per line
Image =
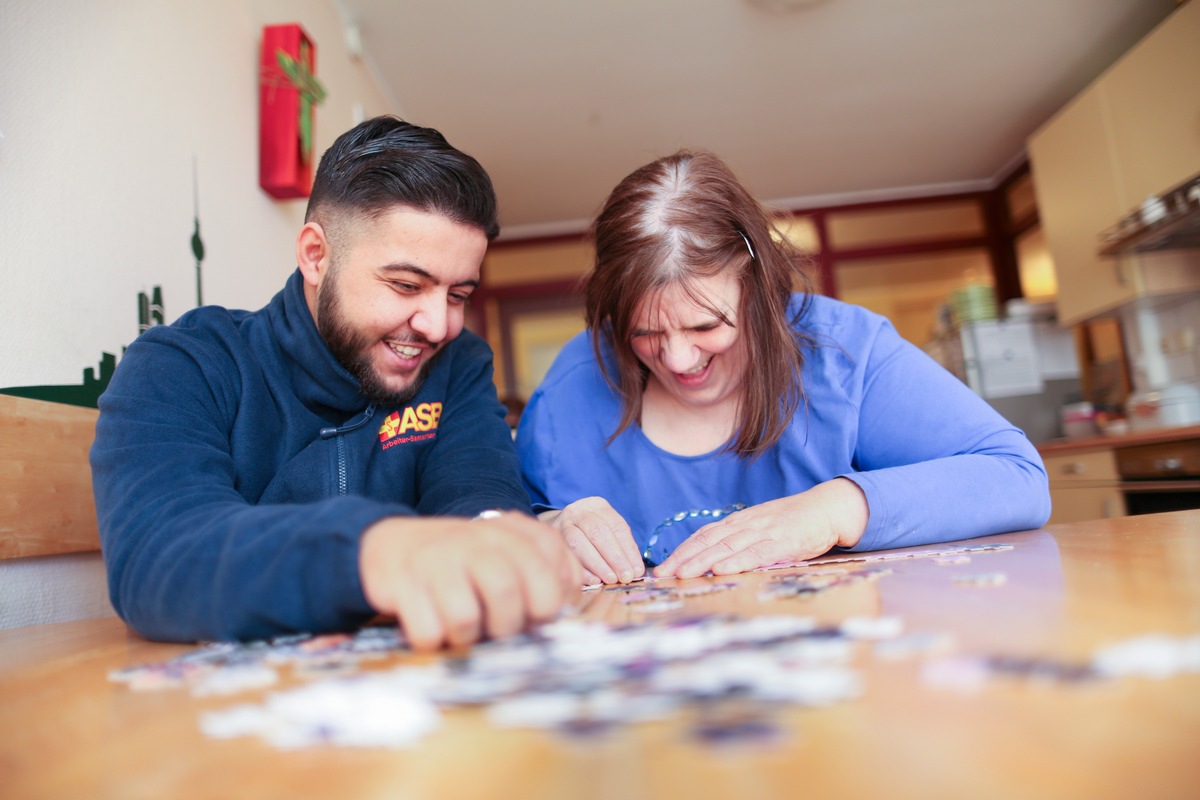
1178,229
1171,234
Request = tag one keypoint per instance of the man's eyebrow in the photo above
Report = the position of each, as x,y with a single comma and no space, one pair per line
413,269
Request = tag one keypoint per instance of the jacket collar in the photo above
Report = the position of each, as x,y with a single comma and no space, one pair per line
318,380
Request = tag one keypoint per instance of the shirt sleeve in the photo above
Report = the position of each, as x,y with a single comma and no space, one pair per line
935,461
536,449
473,466
188,557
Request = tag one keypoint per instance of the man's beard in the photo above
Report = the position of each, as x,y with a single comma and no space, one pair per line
353,350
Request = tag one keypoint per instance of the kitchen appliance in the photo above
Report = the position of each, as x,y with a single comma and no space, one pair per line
1024,366
1175,405
1161,343
1163,476
1079,420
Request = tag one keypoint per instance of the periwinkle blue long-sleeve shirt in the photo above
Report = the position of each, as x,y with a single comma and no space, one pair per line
226,514
935,461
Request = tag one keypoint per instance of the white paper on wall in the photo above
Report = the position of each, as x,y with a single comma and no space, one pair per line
1056,351
1006,358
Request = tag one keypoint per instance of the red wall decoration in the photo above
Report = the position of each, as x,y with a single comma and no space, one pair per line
288,96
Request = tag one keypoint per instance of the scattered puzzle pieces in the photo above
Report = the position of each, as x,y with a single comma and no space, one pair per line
982,579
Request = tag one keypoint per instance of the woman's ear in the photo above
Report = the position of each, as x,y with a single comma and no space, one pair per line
312,253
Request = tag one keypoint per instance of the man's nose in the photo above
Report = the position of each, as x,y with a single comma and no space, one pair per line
430,318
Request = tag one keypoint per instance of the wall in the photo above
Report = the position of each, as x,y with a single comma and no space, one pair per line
104,109
1161,339
531,299
901,259
909,290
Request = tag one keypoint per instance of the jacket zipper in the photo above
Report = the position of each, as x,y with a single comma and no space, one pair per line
339,434
341,451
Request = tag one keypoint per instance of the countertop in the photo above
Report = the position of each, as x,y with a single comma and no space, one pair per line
1056,447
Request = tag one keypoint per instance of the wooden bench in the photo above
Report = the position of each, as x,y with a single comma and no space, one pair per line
46,505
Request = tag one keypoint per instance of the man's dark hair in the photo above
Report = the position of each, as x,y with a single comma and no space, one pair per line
386,162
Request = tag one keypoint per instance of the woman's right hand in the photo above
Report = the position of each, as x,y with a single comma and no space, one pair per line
600,539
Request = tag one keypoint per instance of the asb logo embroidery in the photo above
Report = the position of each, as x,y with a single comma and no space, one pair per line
422,418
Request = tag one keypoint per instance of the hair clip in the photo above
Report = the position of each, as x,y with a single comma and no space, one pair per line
746,239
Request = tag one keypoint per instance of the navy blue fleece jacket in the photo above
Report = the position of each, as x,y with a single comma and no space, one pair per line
236,466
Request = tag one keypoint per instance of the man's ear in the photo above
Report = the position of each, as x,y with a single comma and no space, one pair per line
312,253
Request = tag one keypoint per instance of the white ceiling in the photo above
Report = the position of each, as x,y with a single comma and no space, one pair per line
838,100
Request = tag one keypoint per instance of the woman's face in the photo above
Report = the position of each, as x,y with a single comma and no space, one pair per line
692,354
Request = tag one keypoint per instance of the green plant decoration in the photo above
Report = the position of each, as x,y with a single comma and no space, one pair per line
312,93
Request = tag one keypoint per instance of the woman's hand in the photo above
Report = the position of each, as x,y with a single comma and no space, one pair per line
789,529
600,539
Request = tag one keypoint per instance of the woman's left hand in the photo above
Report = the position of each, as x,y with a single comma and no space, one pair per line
789,529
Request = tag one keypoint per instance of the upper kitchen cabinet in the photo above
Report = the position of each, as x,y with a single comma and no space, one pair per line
1078,195
1132,133
1153,98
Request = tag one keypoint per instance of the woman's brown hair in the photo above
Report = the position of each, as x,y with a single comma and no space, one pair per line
670,223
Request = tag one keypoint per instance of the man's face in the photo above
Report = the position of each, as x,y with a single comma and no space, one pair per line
393,294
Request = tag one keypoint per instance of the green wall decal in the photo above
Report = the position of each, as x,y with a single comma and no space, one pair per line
197,242
150,310
87,394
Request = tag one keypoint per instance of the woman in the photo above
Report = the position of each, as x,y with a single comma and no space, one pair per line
710,419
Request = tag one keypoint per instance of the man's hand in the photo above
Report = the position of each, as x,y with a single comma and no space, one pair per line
450,580
788,529
600,538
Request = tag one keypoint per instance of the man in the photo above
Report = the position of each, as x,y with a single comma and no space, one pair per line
310,464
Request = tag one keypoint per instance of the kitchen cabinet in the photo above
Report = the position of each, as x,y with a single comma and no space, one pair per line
1153,95
1084,485
1079,195
1130,134
1142,472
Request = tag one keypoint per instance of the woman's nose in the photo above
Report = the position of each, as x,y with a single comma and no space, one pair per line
678,353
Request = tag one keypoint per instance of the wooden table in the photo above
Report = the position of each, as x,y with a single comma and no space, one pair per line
66,731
